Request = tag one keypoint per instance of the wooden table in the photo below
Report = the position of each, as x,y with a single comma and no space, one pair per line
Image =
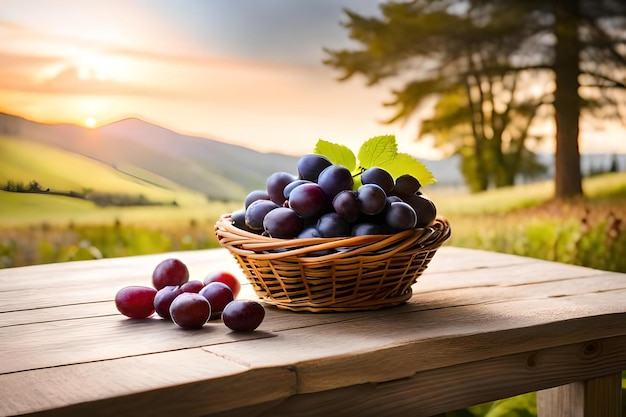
480,326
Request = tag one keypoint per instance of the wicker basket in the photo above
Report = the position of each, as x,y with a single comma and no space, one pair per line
333,274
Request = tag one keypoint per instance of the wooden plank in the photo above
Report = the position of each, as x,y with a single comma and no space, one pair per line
109,269
74,310
509,276
82,288
45,345
136,385
596,397
562,401
440,297
182,383
427,290
96,281
427,393
81,339
469,306
56,313
451,258
82,283
380,348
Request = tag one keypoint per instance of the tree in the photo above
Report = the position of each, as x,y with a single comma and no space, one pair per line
567,175
586,40
480,112
484,47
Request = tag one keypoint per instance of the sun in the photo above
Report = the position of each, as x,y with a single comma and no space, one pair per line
90,122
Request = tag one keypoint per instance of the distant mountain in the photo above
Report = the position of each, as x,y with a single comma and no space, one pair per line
216,169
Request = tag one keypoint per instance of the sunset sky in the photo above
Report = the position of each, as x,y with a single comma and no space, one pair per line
245,72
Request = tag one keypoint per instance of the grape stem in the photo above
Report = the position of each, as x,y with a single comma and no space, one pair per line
361,170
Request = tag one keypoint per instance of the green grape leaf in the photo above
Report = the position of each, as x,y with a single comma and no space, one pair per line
338,154
404,163
378,151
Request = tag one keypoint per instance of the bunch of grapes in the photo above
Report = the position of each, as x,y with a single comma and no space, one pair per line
323,201
190,304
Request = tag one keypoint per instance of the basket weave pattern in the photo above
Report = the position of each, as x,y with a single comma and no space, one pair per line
333,274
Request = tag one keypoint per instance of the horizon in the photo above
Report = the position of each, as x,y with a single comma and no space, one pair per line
251,76
547,152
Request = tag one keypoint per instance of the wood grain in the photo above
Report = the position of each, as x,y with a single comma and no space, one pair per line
439,390
65,350
595,397
182,383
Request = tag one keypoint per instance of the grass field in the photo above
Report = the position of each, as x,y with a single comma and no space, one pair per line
602,188
39,228
25,161
26,209
524,220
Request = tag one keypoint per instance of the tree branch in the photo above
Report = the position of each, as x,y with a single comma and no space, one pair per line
605,37
613,83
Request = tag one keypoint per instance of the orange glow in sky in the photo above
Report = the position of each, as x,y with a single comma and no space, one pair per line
210,69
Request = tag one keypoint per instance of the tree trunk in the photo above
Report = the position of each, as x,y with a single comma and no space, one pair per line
567,179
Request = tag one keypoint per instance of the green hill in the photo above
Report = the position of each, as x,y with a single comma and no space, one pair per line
218,170
63,171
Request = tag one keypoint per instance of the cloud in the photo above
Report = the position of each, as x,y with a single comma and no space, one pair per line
18,62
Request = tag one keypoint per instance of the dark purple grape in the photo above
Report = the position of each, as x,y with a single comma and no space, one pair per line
333,225
378,176
170,272
190,310
424,208
282,223
254,196
310,166
372,199
309,232
136,301
406,185
376,218
393,198
275,186
192,286
238,218
308,200
363,229
243,315
400,216
312,232
335,179
163,299
293,184
257,212
346,205
218,295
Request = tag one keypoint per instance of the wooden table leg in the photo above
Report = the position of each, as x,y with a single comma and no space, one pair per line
598,397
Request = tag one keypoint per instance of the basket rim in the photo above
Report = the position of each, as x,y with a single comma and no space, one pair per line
250,244
355,305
